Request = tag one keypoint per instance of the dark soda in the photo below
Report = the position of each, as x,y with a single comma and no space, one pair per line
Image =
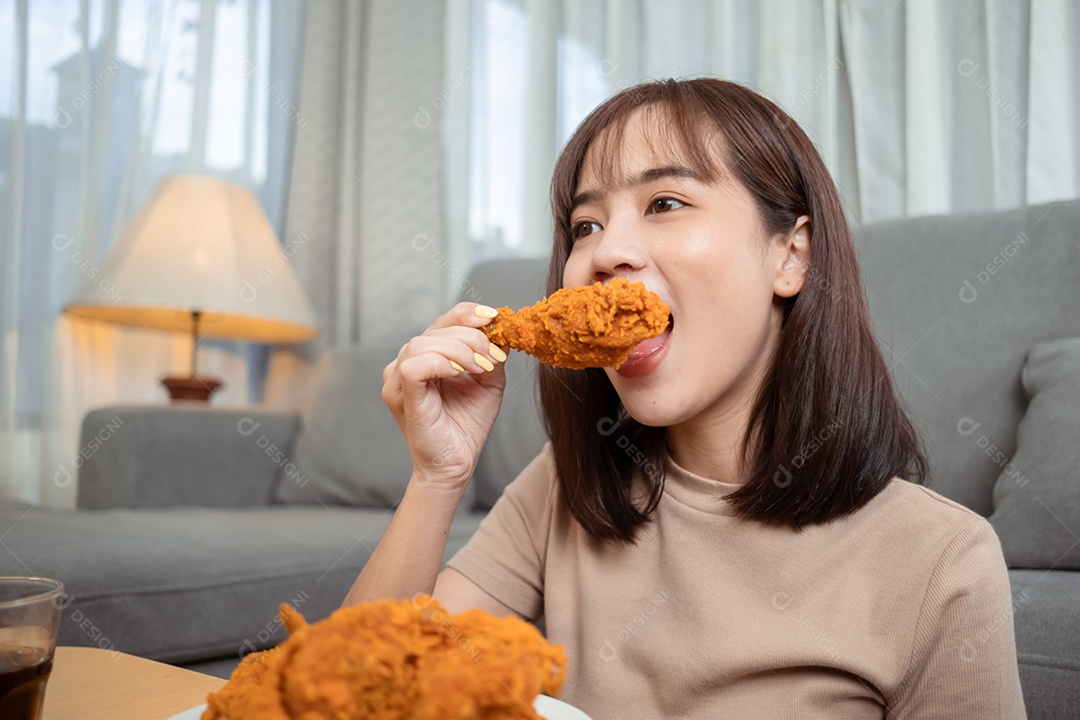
23,673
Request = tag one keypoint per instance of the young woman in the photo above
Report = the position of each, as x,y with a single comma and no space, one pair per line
732,524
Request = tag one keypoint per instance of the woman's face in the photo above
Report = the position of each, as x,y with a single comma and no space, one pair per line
700,246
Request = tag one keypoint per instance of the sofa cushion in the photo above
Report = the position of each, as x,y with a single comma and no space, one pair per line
1037,495
180,454
1047,620
349,450
956,302
191,583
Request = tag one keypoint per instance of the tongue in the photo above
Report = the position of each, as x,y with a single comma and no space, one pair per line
645,348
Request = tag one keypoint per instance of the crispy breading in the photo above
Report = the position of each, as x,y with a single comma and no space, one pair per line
395,660
581,327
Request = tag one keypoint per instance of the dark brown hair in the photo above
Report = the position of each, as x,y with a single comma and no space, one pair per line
826,431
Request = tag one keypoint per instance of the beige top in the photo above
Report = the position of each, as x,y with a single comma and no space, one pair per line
903,605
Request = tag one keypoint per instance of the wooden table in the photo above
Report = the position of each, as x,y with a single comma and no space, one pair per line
93,684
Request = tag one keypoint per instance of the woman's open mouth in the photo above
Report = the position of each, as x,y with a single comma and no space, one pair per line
647,354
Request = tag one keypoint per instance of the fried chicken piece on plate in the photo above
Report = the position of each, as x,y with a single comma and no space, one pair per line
247,693
406,660
581,327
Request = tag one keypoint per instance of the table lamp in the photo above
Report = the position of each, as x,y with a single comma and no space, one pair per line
200,257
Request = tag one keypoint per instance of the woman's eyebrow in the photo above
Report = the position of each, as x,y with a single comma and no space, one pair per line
678,172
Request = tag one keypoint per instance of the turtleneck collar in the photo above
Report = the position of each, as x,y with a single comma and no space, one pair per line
695,491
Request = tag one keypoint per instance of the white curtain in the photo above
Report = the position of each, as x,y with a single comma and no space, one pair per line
98,100
434,126
367,180
918,107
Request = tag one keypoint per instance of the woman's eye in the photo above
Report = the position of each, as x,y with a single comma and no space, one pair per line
584,229
662,205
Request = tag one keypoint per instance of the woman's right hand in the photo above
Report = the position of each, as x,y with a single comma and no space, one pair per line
444,389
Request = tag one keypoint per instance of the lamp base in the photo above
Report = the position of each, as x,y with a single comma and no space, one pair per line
190,387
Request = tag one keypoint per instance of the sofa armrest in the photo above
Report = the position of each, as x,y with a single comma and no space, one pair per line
154,456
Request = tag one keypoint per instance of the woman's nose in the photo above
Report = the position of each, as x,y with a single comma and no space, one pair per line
621,250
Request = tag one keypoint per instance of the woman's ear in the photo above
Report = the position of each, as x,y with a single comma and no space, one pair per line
793,259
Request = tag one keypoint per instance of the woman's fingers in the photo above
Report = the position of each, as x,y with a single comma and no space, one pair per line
470,350
445,355
389,370
415,371
452,345
483,354
481,357
468,314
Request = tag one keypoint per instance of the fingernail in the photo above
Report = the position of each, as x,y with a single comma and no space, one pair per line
496,352
485,312
483,362
456,366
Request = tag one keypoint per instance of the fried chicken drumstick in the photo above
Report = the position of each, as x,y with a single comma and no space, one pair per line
395,660
582,327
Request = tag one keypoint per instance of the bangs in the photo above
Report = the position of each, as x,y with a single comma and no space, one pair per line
677,132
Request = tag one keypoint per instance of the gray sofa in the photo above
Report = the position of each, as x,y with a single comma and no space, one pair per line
182,548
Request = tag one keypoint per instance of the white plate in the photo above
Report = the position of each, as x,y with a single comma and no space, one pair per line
549,707
554,709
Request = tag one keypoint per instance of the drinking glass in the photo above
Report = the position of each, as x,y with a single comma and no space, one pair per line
29,621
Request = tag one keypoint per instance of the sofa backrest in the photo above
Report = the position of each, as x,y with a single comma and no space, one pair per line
956,301
518,434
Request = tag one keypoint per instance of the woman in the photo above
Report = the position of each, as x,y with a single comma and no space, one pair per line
732,524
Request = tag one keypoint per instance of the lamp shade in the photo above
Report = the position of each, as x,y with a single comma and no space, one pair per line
204,245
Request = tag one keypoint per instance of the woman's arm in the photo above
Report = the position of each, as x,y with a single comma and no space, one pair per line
458,593
444,390
407,559
503,566
963,659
